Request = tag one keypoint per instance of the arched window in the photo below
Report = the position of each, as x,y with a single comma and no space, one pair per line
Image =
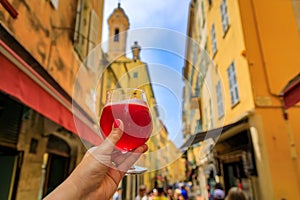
116,36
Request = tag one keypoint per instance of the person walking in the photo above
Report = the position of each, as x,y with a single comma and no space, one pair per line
118,194
219,193
142,193
236,194
160,195
184,192
170,193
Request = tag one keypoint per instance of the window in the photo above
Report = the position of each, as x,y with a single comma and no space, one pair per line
211,116
33,145
224,15
86,30
93,30
206,118
213,40
203,13
92,59
205,46
219,100
234,93
135,74
209,2
195,57
197,88
116,36
80,28
198,127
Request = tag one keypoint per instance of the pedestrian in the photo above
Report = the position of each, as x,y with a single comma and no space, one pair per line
149,195
219,193
236,193
180,197
96,177
142,193
177,193
160,194
170,193
118,194
184,192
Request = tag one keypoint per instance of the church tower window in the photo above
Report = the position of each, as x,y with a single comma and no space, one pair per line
116,36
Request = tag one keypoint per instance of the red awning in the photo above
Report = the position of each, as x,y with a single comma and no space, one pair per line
21,81
291,92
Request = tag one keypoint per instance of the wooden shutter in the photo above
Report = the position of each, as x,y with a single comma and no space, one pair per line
10,121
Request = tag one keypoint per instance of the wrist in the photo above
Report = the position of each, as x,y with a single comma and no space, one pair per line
66,190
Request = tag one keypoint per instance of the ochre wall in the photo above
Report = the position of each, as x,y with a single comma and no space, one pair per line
272,42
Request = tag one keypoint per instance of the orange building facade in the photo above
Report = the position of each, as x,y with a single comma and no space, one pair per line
42,46
253,47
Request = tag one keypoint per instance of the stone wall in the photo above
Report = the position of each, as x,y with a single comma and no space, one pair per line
37,128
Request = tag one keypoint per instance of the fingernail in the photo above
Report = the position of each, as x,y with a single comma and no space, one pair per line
117,123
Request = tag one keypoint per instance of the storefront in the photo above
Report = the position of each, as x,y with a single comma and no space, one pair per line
36,89
10,158
235,162
226,156
41,128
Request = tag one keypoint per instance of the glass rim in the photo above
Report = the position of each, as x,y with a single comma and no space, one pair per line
125,89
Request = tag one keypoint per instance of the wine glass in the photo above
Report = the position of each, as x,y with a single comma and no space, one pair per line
129,105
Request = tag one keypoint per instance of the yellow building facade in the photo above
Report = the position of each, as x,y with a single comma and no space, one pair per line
253,46
124,72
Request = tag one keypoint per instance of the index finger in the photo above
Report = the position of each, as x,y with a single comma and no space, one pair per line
105,149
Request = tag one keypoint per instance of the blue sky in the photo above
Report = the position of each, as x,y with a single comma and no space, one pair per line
160,28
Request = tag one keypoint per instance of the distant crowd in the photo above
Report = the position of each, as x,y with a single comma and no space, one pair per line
182,192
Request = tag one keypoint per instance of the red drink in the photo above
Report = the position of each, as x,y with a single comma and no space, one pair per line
137,122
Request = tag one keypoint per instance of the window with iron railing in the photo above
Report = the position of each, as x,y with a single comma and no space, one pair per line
219,100
224,16
211,116
203,13
233,85
213,40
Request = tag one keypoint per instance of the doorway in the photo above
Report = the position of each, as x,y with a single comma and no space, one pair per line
233,174
9,172
58,161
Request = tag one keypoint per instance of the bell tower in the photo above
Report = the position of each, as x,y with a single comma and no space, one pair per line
118,24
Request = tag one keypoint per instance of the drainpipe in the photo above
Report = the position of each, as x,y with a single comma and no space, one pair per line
44,167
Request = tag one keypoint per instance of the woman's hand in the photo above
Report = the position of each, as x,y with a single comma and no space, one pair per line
96,177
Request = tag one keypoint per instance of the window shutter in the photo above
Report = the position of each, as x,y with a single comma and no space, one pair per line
213,39
81,29
233,85
92,59
93,30
10,123
78,22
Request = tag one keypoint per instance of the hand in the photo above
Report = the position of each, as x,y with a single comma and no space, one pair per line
95,177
